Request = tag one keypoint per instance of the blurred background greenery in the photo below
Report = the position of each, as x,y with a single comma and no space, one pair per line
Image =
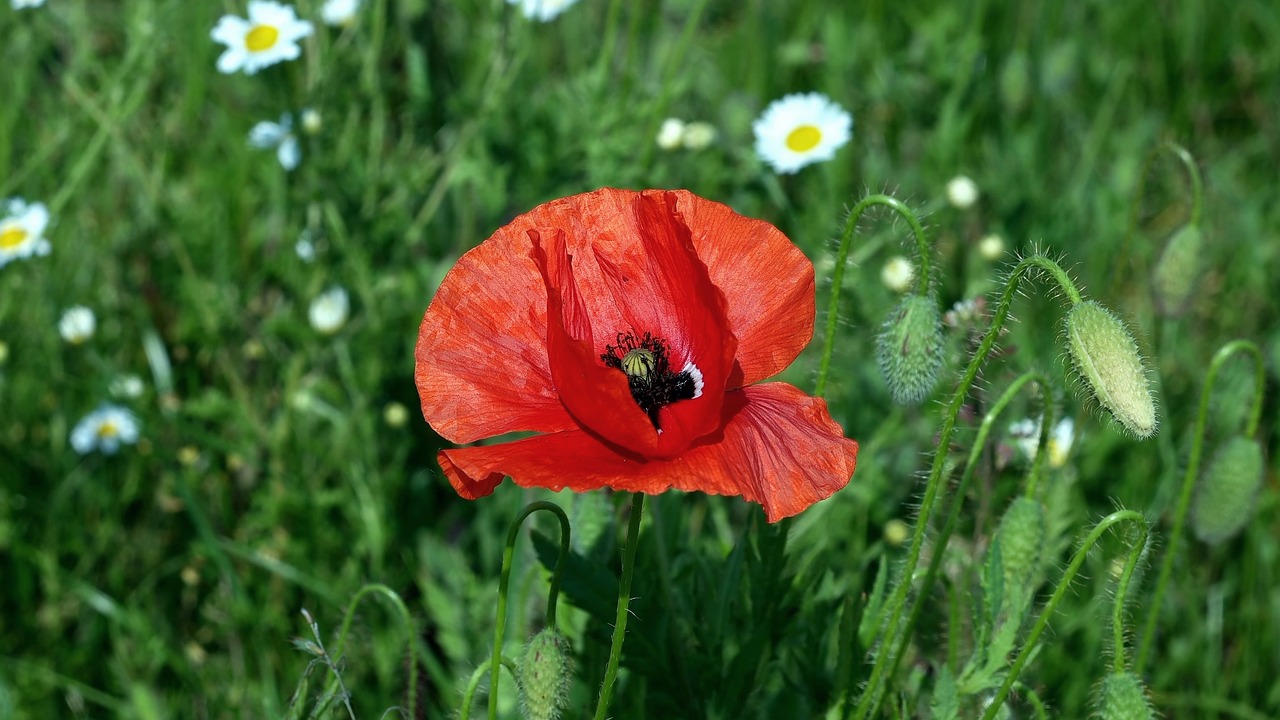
277,469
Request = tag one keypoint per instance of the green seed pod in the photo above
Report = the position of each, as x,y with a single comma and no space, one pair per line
1175,276
909,349
1107,359
546,669
1122,696
1226,491
1022,535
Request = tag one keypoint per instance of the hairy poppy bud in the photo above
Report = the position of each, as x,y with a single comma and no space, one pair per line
909,349
1224,496
1121,696
1021,535
1178,269
545,671
1107,359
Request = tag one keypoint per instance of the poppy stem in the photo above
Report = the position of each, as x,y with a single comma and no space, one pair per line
624,599
504,583
1189,480
842,257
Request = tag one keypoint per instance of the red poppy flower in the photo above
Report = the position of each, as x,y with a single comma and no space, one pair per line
628,328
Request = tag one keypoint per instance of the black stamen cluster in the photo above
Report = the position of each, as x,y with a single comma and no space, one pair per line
658,388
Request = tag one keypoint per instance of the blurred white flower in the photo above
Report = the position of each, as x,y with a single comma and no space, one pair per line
965,312
105,429
339,12
542,10
77,324
699,135
20,4
800,130
1026,433
311,121
962,192
329,310
267,135
22,230
304,248
670,134
127,386
991,247
897,274
269,35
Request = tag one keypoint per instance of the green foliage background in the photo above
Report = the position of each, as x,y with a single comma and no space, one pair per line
167,581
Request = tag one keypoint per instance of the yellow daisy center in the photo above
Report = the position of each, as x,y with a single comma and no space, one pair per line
108,429
261,37
804,138
11,237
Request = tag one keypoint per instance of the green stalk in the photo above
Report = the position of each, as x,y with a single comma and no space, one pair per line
624,599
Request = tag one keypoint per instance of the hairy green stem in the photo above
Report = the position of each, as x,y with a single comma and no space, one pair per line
871,697
504,583
391,595
624,599
1197,201
1122,587
474,683
842,257
1189,479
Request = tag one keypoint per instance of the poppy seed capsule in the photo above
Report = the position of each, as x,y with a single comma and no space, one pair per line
1122,696
1107,359
545,671
1021,535
909,349
639,363
1224,498
1174,279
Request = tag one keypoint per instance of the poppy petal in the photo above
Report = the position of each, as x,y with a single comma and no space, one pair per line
768,284
779,448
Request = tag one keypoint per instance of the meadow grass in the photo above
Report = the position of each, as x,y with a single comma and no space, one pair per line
277,470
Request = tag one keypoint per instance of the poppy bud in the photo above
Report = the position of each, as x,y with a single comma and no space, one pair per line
1178,269
1107,359
545,671
1121,696
1021,535
1225,494
909,349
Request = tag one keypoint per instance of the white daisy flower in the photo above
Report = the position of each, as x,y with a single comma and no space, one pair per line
339,12
897,274
105,429
270,35
991,247
267,135
304,248
800,130
127,386
962,192
329,310
77,324
670,134
1026,434
20,4
698,135
542,10
22,230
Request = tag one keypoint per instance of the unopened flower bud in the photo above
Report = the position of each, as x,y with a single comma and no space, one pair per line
546,669
1107,359
1174,279
909,349
1224,499
1021,535
670,134
698,135
1121,696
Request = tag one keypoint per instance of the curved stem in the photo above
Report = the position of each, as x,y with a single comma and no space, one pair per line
1193,178
975,452
1193,470
842,257
624,599
408,624
505,581
474,682
1135,553
870,700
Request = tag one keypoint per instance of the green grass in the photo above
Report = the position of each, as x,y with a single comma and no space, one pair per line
169,580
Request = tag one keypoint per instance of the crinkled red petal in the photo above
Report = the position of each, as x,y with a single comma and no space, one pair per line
779,448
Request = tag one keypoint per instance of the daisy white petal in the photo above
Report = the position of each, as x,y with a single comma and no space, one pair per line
339,12
105,429
77,324
269,35
22,229
542,10
799,130
328,312
289,153
267,134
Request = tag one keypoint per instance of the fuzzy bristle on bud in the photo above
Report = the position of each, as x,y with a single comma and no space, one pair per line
909,349
1225,495
1122,696
1107,358
546,669
1177,271
1021,534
